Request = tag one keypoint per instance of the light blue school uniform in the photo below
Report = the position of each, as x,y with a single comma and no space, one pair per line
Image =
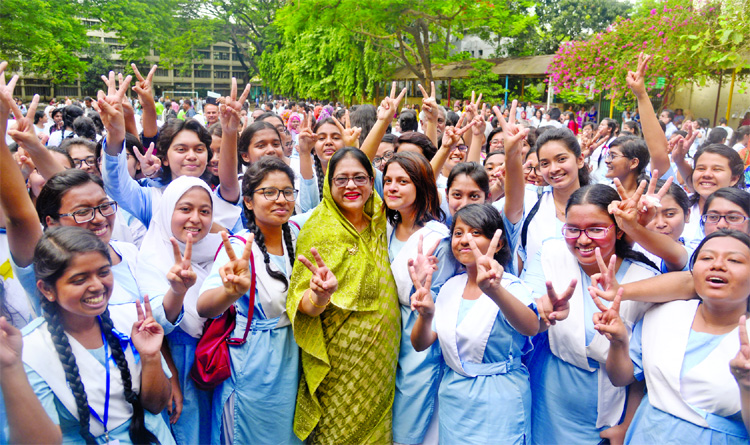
256,404
494,406
418,373
652,425
69,423
564,408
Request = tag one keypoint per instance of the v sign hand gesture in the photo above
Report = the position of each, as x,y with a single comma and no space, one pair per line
237,275
389,106
740,364
323,282
421,299
555,307
608,321
425,264
150,164
489,271
605,278
181,275
230,107
146,334
349,134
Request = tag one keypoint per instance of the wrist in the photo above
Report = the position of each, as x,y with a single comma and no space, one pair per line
317,301
151,358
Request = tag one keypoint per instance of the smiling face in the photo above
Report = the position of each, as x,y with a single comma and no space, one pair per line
213,166
83,290
86,196
711,173
399,192
619,165
187,155
532,172
725,207
327,142
464,191
264,142
585,216
271,213
81,158
495,166
721,273
351,198
460,242
670,220
193,214
211,112
559,165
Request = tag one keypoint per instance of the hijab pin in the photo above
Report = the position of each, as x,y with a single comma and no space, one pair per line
353,250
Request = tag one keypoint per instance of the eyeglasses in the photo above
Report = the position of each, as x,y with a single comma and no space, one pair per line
282,130
612,156
732,218
536,170
496,142
272,193
377,160
88,214
591,232
90,161
461,147
342,181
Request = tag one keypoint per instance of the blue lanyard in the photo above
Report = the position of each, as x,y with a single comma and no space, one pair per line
106,398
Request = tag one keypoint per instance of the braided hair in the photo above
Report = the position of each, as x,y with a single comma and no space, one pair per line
252,179
319,173
52,256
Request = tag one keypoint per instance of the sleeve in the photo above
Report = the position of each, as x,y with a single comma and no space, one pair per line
157,310
523,293
43,393
27,278
636,351
534,275
125,190
513,238
148,141
309,195
301,219
379,182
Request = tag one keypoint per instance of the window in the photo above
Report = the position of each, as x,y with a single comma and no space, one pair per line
204,54
222,75
481,53
221,56
42,91
110,40
161,72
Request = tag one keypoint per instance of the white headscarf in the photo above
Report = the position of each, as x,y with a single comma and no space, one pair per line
156,258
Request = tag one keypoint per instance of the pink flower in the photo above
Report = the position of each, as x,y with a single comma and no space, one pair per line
661,33
653,12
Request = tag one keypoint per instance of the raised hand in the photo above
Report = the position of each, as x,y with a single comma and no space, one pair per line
513,135
389,106
11,342
473,107
349,134
478,124
452,135
236,275
605,278
636,80
230,107
181,275
150,164
429,103
553,307
111,109
144,87
146,334
489,271
425,263
625,211
322,283
24,133
608,321
306,137
740,364
6,94
421,299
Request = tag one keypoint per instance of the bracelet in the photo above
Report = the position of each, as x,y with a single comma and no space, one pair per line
309,297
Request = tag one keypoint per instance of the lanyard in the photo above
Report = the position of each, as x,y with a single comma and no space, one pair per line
106,398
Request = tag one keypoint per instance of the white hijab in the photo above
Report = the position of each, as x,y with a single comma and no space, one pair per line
156,258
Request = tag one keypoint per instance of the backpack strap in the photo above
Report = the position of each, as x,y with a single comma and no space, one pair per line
527,221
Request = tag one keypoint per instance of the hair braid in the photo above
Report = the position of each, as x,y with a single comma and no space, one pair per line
288,242
138,431
72,374
320,174
260,241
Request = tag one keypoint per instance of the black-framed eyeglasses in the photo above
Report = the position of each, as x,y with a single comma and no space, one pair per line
90,161
591,232
273,193
536,170
359,180
377,160
85,215
731,218
461,147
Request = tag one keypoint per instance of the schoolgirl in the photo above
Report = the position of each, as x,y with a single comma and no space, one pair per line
573,401
682,349
415,234
256,405
482,320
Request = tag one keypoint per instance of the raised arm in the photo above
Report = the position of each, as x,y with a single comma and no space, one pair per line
388,107
229,114
740,366
652,133
21,219
25,136
451,138
236,277
609,324
515,187
476,140
143,87
430,108
112,114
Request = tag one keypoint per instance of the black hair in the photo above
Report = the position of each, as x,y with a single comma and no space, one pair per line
669,112
588,124
364,117
349,152
269,115
52,256
490,136
243,144
676,192
38,115
611,125
734,195
451,118
407,120
169,131
62,151
743,237
50,197
739,134
68,144
491,154
420,140
389,138
567,138
253,177
475,172
717,135
633,127
69,114
488,220
633,147
736,165
317,164
602,196
554,114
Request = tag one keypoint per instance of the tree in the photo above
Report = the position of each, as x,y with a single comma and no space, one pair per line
415,34
42,34
99,61
689,44
564,20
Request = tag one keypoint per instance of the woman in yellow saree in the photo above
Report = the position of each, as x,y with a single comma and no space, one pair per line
344,312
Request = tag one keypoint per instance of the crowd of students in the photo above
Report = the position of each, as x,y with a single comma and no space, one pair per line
416,277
